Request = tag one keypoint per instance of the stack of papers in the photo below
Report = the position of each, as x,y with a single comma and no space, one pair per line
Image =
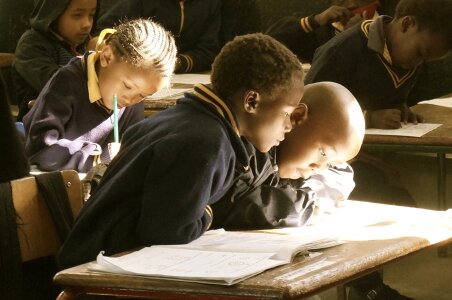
218,257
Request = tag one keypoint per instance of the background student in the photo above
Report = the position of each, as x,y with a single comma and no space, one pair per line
59,31
283,185
72,120
174,165
379,61
195,25
304,34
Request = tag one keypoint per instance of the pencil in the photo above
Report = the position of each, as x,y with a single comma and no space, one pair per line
115,119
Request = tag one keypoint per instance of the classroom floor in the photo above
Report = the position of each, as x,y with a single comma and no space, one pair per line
424,275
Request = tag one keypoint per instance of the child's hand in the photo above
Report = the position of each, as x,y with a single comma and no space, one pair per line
384,118
333,14
410,117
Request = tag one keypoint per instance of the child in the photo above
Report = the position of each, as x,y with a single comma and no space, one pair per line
378,61
174,165
195,25
59,31
303,34
279,190
72,120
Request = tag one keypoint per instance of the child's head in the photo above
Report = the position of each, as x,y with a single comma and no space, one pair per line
422,32
136,61
262,82
75,23
330,130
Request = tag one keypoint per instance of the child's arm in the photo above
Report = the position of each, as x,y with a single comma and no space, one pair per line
33,60
47,144
185,174
200,55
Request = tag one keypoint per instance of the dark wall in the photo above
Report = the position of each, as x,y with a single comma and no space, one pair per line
14,16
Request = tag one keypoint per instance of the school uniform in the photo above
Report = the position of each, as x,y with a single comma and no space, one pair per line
159,188
40,52
195,25
69,126
260,199
302,35
359,59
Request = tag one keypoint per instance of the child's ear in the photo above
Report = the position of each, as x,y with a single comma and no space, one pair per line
106,56
251,101
299,115
407,22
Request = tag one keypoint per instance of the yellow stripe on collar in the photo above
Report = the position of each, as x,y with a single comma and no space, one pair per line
93,80
219,105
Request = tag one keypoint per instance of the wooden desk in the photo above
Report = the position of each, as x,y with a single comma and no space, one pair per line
377,234
438,141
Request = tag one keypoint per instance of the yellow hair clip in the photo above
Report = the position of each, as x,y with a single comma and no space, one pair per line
102,35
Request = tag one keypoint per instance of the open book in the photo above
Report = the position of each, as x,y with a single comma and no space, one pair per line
217,257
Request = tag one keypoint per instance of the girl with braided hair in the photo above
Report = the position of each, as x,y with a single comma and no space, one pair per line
71,123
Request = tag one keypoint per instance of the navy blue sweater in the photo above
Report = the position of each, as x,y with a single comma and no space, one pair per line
355,59
158,190
64,129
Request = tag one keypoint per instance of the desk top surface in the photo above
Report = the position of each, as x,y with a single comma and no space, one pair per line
441,136
375,235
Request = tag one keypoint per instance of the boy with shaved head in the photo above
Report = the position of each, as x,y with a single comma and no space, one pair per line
277,191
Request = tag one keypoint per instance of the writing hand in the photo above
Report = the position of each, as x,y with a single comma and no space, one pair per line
409,116
384,118
333,14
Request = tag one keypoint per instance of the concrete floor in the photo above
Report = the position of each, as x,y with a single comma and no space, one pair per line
424,275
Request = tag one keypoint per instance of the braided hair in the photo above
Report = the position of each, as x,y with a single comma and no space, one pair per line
144,44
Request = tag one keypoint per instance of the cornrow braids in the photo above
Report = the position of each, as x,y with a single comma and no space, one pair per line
433,15
144,44
253,62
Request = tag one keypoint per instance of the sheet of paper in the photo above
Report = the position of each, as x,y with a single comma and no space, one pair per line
446,102
168,93
191,78
410,129
194,264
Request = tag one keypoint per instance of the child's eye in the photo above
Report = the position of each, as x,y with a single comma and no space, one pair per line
127,86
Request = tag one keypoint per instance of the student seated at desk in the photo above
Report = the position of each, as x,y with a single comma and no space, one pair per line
59,31
195,25
174,165
304,34
379,60
71,124
283,184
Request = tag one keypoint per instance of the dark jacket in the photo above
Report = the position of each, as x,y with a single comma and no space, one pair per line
13,162
195,25
40,53
64,129
302,35
159,188
355,59
259,199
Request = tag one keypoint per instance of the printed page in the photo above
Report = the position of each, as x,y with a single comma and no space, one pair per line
190,78
167,93
410,129
189,265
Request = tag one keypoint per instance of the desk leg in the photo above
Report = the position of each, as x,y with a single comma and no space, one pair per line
442,251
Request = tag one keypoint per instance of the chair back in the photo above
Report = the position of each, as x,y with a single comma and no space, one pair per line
37,232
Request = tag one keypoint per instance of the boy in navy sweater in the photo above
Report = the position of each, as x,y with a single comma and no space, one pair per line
379,60
174,165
